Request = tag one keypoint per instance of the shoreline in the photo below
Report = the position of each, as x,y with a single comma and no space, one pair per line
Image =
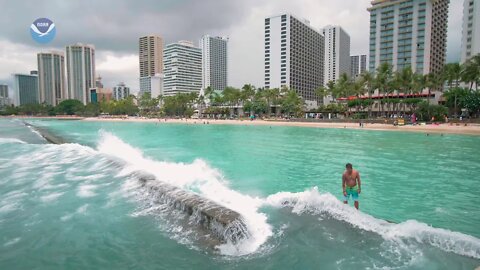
471,129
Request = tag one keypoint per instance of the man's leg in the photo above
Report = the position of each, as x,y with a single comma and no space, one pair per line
355,199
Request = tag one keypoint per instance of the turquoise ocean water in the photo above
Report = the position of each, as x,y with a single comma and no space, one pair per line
72,206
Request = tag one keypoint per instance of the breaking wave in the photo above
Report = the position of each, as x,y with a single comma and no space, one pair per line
313,202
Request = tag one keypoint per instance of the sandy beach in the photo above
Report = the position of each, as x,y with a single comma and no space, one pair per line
470,129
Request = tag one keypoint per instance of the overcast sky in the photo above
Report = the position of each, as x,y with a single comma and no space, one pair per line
114,27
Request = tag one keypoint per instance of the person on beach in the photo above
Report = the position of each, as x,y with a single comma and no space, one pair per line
351,184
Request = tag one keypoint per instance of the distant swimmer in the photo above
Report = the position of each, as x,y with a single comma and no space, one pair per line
351,184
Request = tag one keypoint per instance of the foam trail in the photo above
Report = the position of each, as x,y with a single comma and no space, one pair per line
313,202
11,140
35,131
200,178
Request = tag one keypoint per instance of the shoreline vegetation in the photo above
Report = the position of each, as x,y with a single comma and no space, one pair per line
443,128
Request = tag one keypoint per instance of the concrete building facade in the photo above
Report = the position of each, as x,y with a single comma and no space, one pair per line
51,77
408,33
25,89
183,68
80,71
214,62
470,29
337,53
294,56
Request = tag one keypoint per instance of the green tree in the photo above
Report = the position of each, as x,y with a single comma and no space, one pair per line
69,107
292,103
369,82
471,72
384,81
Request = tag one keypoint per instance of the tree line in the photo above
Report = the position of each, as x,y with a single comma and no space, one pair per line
390,88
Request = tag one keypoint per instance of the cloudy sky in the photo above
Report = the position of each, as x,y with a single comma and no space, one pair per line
114,26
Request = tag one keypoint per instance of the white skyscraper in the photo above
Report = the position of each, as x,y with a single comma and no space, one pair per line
153,85
80,71
471,29
183,68
358,65
294,54
337,53
214,62
121,91
51,77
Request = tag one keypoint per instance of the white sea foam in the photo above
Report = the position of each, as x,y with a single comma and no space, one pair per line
82,209
198,177
11,242
11,140
86,191
313,202
51,197
36,132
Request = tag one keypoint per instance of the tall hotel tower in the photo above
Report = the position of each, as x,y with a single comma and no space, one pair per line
51,77
408,33
294,56
80,71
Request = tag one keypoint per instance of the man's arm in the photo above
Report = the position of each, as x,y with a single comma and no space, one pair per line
343,185
359,183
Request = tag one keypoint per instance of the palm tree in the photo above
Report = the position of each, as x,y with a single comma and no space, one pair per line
369,81
434,81
209,93
384,80
357,89
471,72
404,81
452,73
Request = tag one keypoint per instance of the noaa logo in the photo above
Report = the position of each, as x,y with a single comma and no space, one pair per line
43,30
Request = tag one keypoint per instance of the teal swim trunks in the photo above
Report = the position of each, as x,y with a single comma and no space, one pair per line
351,191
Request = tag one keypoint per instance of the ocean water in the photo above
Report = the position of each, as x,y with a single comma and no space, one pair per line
73,206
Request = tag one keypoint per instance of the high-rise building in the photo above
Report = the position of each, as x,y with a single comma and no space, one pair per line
471,29
4,99
153,85
98,82
337,53
183,68
80,71
358,65
121,91
408,33
214,62
3,90
25,89
150,54
98,94
51,77
294,56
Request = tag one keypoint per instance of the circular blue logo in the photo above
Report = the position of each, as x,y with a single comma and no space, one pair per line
43,30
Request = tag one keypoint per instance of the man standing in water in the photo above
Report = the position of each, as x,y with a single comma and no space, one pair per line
350,180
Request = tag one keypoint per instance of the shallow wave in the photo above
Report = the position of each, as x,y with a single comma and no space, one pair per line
200,178
313,202
11,140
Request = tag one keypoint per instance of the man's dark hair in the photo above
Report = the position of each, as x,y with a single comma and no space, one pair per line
348,166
